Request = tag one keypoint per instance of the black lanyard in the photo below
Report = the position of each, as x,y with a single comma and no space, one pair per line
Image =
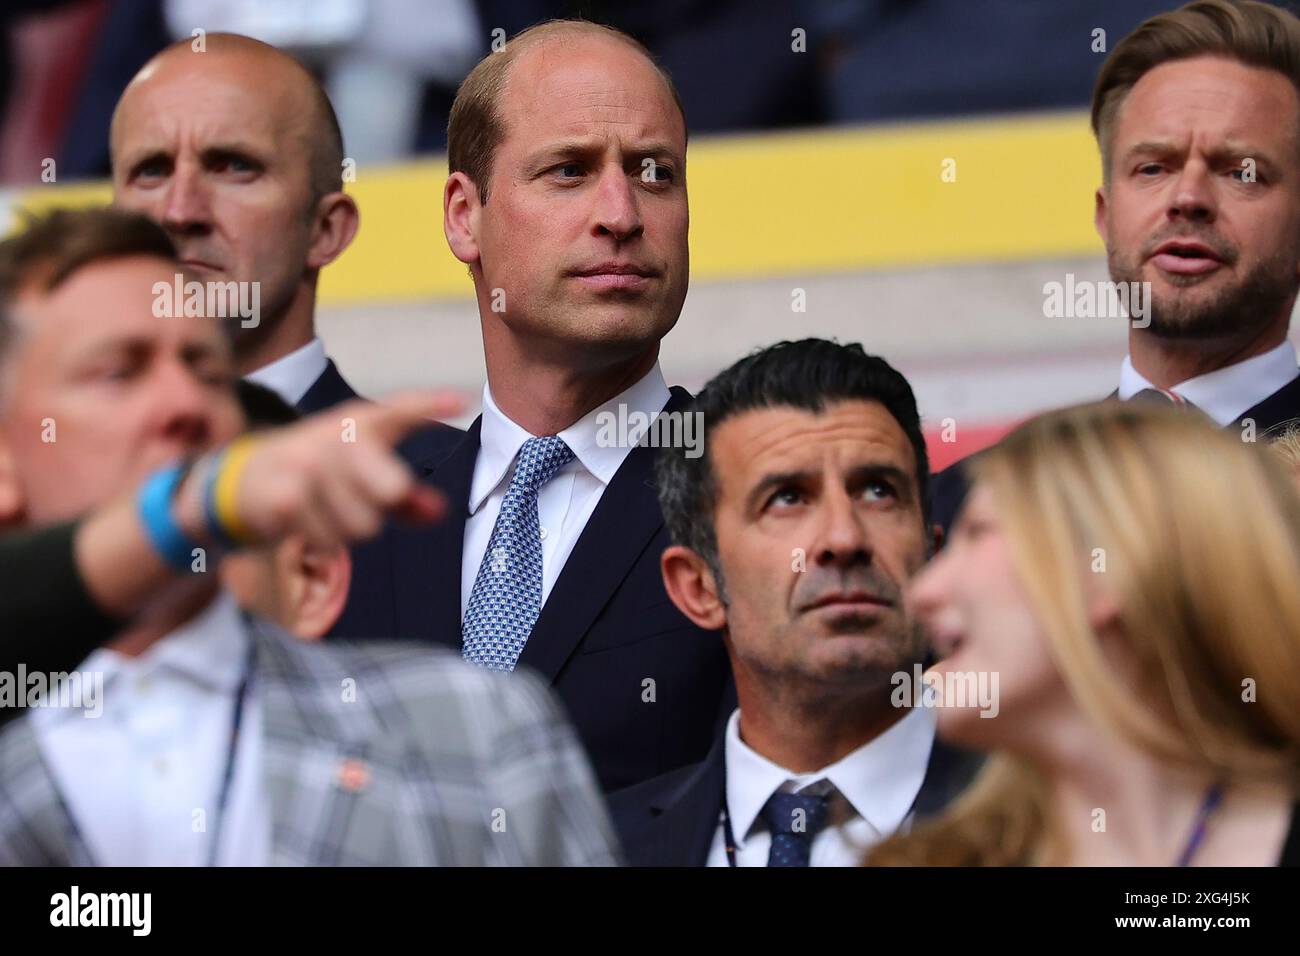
227,774
728,838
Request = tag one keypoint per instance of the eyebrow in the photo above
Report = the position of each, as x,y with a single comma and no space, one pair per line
237,148
858,474
589,147
1231,148
137,344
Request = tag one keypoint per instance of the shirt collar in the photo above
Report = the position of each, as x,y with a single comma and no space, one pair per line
879,780
500,438
1226,392
292,376
209,650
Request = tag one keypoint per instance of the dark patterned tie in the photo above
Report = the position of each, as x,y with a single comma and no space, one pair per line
793,820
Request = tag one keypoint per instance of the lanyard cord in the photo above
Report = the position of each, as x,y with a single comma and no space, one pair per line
232,752
1213,797
728,838
227,774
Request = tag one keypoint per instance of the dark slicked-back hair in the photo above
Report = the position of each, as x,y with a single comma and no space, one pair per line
46,249
810,375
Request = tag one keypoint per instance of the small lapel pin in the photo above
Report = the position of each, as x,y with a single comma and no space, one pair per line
354,775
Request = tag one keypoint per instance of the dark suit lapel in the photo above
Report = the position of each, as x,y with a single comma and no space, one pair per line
328,390
618,531
948,773
687,817
1279,408
427,567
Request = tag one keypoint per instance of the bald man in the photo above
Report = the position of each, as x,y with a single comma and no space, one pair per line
237,153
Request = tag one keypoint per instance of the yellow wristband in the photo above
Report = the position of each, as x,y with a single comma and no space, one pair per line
226,484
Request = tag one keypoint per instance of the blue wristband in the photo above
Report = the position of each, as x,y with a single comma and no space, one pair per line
154,504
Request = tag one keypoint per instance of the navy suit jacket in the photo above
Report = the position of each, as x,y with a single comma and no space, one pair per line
673,819
330,389
368,610
645,688
949,487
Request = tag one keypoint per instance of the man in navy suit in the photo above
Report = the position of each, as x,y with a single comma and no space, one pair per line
1197,129
235,151
566,200
794,535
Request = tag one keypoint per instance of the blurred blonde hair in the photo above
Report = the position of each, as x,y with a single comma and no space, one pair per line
1287,448
1200,535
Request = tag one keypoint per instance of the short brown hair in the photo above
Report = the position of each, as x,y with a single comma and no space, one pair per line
49,248
475,127
1252,33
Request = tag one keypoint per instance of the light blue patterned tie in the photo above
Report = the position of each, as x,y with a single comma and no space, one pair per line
507,594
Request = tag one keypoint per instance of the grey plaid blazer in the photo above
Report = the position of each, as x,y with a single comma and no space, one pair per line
434,762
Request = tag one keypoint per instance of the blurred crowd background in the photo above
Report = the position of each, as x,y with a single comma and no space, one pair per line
819,134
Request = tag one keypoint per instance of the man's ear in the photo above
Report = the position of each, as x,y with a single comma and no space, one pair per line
337,221
690,583
1099,215
314,586
12,503
460,215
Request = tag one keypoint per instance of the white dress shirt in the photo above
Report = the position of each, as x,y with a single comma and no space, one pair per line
134,777
1225,393
872,791
567,501
293,375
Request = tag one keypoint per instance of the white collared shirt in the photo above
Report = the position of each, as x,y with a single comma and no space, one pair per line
293,375
142,780
567,501
878,783
1225,393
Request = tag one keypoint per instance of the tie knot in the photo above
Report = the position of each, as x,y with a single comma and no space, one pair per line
795,813
1161,396
539,460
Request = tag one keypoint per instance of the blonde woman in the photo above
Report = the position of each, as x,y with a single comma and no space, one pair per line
1130,574
1287,447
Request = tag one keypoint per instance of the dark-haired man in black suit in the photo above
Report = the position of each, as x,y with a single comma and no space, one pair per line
794,535
1198,129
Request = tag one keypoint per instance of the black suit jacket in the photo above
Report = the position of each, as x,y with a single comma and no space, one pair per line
644,687
673,819
948,488
328,390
